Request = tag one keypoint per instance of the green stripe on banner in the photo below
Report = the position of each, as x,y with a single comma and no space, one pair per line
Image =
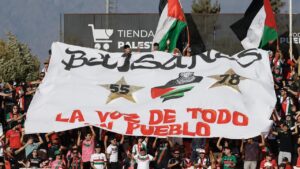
269,34
174,95
178,91
172,35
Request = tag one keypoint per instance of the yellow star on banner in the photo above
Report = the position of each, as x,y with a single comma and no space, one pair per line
229,78
121,89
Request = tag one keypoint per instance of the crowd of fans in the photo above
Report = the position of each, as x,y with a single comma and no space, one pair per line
94,148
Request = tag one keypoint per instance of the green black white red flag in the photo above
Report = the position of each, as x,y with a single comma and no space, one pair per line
171,23
258,26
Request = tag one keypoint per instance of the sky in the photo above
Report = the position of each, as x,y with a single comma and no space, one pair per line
37,22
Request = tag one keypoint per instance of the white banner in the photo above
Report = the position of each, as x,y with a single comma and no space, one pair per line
155,94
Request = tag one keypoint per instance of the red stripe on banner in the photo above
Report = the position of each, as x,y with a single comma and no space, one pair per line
175,10
270,18
156,92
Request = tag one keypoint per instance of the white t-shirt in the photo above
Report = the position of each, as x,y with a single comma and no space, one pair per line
98,160
136,148
1,148
113,151
203,161
143,161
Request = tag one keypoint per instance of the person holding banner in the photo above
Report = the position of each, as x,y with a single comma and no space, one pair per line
176,161
143,159
220,146
196,144
54,144
203,161
112,152
127,51
228,160
98,159
31,146
141,144
155,47
75,162
87,147
127,57
251,150
107,137
163,151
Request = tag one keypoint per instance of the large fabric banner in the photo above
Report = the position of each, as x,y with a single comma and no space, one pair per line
155,93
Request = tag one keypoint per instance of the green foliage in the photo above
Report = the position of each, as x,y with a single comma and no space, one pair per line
276,5
205,7
16,61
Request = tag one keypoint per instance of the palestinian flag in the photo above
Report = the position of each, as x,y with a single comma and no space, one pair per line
170,24
169,93
258,26
176,88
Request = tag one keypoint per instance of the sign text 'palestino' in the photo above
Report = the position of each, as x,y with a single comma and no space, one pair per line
128,34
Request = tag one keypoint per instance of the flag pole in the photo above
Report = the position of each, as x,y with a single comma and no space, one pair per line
188,35
187,28
291,29
107,6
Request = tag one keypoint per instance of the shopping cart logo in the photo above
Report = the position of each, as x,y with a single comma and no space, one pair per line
101,37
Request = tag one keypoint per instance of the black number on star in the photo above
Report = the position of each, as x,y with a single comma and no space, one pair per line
121,89
235,79
232,79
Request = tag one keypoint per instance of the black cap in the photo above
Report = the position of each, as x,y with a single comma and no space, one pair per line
126,46
98,146
156,44
112,138
285,159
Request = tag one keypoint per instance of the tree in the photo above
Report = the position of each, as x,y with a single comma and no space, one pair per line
17,63
205,7
276,5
